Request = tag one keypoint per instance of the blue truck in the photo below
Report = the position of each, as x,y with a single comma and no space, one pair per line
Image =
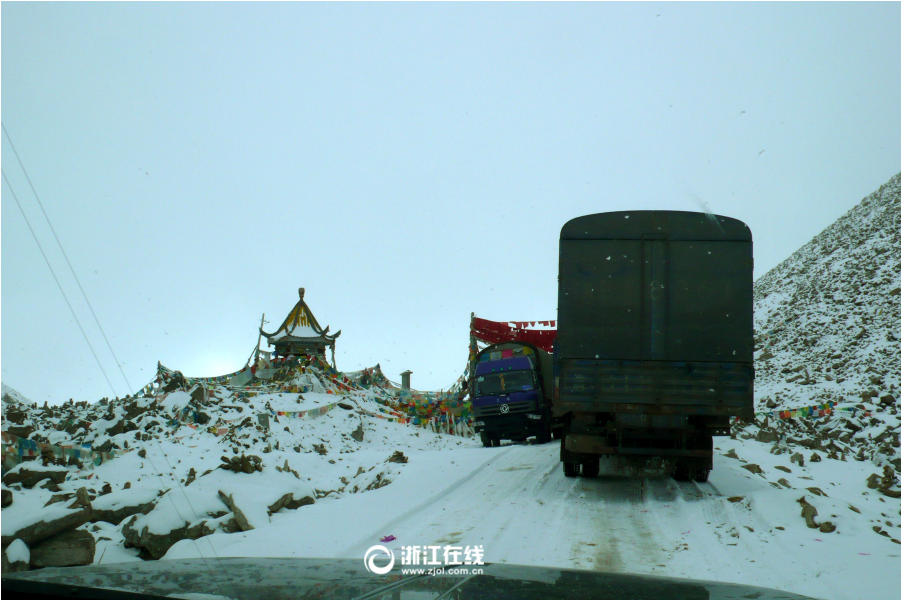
511,393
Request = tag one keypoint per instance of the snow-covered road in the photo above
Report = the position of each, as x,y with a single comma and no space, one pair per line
516,503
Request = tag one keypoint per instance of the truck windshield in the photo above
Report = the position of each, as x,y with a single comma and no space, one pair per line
506,382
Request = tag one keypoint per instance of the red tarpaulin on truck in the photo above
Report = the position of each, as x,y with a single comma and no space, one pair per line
500,332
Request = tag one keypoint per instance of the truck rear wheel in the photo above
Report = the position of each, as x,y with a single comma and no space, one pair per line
570,469
701,476
682,474
591,468
486,440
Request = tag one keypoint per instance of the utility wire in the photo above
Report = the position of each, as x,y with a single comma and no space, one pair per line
130,389
5,179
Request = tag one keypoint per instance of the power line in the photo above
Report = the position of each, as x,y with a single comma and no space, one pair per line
5,179
130,389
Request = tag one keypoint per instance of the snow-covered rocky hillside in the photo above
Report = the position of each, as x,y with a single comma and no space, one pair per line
126,479
828,318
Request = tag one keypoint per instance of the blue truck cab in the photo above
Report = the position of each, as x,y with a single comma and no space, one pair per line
509,397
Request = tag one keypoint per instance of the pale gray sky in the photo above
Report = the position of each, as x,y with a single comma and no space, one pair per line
406,163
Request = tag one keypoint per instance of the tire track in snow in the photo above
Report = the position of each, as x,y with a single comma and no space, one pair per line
360,547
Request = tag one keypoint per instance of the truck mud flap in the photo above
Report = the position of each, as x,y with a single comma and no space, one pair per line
593,444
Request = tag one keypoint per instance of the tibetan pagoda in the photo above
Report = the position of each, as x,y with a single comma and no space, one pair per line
301,335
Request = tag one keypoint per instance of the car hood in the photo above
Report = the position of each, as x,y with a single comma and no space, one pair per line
330,578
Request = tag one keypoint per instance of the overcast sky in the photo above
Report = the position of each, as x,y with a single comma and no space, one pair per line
406,163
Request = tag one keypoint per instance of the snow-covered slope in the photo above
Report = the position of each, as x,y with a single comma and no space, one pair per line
828,318
10,394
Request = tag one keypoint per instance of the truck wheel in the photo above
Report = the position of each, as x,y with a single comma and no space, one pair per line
486,441
544,436
701,476
682,474
570,469
591,468
495,442
557,432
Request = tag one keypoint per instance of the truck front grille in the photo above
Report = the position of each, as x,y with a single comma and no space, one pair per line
495,410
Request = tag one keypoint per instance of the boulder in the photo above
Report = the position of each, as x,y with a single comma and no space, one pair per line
155,544
28,477
71,548
118,513
240,518
288,501
808,513
52,520
242,463
16,558
7,498
398,457
827,527
767,436
753,468
357,434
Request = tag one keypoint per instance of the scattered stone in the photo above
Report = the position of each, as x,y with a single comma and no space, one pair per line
782,468
106,489
240,518
753,468
192,476
827,527
71,548
287,468
797,457
873,481
398,457
58,497
345,406
358,434
816,491
242,463
142,453
319,448
82,499
808,512
731,454
767,435
288,501
784,482
7,498
815,457
379,482
735,499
